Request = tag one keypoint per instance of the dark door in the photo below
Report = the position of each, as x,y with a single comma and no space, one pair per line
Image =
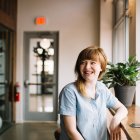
6,45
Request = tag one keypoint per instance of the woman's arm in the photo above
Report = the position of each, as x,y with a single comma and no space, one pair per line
121,113
70,126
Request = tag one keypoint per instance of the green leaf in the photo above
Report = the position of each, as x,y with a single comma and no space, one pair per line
126,73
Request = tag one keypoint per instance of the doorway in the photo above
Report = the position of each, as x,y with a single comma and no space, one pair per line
6,77
41,76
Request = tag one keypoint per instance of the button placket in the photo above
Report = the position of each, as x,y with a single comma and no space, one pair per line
95,111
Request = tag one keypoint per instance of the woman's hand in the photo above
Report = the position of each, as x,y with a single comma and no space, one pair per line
115,130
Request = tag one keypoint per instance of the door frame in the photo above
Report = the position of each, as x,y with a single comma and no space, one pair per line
43,117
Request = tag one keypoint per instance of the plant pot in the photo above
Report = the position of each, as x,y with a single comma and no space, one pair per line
125,94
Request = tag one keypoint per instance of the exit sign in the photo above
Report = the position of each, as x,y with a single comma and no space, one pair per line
40,20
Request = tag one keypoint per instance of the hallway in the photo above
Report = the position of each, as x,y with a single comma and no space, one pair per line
30,131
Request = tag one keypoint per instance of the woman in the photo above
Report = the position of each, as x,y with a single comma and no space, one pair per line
83,103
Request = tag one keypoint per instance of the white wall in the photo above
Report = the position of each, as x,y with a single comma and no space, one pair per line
106,24
78,25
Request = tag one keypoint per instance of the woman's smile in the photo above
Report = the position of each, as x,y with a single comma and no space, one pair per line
88,72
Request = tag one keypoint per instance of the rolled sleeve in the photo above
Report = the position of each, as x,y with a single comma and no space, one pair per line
67,102
111,100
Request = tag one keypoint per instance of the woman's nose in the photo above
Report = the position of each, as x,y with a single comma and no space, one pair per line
88,65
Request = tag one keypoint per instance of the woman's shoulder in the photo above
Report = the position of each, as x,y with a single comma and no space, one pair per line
69,87
69,90
102,88
100,84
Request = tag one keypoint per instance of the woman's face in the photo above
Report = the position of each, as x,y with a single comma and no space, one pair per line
90,70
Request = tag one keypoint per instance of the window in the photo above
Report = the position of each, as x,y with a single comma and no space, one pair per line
120,31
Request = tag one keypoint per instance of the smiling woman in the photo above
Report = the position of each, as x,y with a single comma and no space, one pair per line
84,102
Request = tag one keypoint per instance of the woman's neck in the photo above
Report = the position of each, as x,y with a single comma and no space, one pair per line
90,89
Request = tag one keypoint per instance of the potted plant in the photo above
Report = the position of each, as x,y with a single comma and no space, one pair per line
123,77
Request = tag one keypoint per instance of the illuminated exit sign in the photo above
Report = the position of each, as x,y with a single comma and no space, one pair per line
40,20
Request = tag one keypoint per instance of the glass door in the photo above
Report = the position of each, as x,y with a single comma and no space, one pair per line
5,78
41,64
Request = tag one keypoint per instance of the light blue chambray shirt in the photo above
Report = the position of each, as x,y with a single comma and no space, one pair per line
91,117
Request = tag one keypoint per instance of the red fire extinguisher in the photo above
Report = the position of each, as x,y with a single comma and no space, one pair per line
17,92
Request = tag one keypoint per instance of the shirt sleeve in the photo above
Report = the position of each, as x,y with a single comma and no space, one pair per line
111,100
67,102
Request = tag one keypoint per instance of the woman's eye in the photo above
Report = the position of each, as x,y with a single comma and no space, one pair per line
92,63
83,62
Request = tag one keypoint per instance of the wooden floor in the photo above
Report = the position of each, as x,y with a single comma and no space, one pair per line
30,131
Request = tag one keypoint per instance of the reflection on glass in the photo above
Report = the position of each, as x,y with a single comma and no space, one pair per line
119,44
120,33
42,103
45,43
2,67
49,66
119,8
5,74
41,76
51,51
